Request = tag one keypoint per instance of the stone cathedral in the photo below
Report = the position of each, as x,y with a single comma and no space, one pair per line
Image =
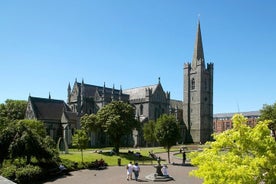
198,95
194,114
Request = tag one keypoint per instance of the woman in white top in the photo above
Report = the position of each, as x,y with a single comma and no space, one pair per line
129,171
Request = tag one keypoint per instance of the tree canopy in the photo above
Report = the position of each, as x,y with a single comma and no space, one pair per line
90,122
269,113
148,130
238,155
13,109
26,139
80,140
167,132
117,119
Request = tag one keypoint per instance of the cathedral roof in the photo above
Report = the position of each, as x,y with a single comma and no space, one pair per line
176,104
71,116
139,92
50,109
90,90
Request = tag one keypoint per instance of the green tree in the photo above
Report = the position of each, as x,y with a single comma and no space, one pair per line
80,140
26,139
239,155
148,130
167,132
6,137
117,119
11,110
269,113
90,122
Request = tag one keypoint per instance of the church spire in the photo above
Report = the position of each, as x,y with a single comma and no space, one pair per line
198,57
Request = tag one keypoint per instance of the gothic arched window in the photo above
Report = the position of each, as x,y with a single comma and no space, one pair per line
193,83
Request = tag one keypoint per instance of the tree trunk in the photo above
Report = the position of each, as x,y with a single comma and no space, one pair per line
169,160
81,155
117,145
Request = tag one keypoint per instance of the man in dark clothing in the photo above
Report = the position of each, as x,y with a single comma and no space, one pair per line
184,157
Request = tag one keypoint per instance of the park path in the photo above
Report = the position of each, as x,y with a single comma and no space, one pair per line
117,174
173,159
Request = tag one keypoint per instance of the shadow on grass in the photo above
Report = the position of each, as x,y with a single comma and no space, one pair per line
142,159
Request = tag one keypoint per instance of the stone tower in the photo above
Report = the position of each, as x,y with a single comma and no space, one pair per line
198,95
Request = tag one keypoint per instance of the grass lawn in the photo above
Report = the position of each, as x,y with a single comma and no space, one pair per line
90,155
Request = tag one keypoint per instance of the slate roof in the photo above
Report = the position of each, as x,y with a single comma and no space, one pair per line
50,109
140,92
176,103
71,116
90,90
230,115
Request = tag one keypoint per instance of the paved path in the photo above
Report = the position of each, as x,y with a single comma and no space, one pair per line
117,175
5,181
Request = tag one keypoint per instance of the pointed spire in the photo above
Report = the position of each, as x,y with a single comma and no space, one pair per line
49,95
82,92
103,91
82,87
68,93
104,87
120,93
69,87
198,49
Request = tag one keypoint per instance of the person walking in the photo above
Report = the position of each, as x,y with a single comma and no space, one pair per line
183,157
129,168
136,170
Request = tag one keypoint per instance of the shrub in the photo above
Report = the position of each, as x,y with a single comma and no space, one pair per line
70,165
28,174
9,172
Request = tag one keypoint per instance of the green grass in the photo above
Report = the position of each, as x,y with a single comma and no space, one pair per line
90,155
189,149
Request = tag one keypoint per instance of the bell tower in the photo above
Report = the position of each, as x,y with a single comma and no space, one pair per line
198,95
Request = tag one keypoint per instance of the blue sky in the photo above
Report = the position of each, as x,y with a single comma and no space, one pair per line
44,45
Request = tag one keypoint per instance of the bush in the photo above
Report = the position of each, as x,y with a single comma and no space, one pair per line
9,172
97,164
28,174
70,165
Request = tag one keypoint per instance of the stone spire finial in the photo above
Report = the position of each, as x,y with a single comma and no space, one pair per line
69,87
198,49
